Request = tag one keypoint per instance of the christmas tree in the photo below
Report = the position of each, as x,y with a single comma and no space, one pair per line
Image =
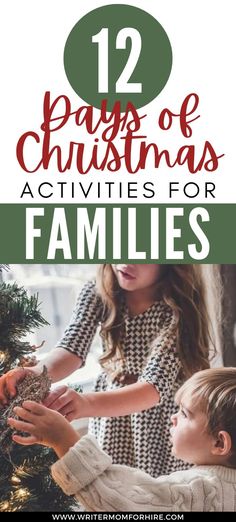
25,482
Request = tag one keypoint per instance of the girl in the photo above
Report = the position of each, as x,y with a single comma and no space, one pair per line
156,332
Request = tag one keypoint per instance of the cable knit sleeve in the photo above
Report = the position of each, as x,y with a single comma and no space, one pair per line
87,472
85,318
163,365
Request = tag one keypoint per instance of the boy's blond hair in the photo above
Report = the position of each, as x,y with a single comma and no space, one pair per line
213,391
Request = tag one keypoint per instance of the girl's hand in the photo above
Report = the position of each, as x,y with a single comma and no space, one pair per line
67,402
44,426
9,381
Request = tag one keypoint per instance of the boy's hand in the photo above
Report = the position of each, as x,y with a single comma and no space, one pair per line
44,426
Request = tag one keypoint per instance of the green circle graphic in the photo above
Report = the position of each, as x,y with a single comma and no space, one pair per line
150,68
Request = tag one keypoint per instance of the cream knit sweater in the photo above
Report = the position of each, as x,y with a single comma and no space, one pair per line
87,472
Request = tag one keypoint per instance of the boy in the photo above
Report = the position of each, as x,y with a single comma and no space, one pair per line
203,433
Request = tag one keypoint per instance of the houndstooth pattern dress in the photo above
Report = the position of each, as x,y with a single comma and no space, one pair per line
140,440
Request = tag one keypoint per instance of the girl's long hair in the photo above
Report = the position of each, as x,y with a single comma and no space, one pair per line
194,294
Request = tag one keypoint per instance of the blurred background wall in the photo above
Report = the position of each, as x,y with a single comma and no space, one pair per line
229,314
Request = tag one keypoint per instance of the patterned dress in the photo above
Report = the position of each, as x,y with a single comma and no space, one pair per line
141,440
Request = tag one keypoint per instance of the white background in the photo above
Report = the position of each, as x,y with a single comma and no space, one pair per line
202,35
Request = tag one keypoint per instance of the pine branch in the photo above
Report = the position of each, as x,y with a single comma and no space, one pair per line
19,315
25,482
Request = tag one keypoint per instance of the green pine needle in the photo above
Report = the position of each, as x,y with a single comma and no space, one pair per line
19,315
